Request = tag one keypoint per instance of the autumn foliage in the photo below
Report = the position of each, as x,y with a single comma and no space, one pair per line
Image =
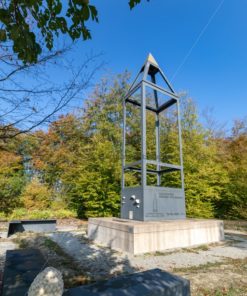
76,163
36,196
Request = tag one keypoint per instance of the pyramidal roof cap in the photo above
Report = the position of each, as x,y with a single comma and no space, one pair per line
151,68
152,60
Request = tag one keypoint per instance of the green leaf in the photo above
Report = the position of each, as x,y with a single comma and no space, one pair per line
94,13
58,8
85,12
3,35
47,24
5,16
133,3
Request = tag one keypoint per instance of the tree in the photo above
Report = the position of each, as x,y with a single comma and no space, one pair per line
12,179
205,176
29,93
26,104
93,182
36,196
29,26
83,154
233,153
97,173
56,149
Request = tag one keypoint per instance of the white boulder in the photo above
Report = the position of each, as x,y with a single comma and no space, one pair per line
49,282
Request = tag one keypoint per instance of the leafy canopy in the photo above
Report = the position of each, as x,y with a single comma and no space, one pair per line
11,180
30,25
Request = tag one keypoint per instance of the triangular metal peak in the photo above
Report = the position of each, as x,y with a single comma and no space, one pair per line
152,60
151,71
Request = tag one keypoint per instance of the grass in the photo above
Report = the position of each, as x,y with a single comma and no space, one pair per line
223,292
240,264
21,242
196,249
51,245
195,269
187,250
22,213
158,253
225,278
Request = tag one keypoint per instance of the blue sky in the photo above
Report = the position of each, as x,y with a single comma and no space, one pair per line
214,74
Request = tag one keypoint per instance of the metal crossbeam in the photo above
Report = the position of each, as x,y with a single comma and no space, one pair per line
132,164
169,170
160,89
151,171
167,105
139,170
139,104
132,91
163,164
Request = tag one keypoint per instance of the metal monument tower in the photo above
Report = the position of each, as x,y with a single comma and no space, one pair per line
155,202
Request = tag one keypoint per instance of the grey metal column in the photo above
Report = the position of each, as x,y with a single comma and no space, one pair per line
157,133
123,144
157,127
180,144
143,136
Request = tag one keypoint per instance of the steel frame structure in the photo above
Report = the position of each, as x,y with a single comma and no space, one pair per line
149,69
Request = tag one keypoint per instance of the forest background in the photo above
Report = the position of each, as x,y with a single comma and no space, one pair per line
73,168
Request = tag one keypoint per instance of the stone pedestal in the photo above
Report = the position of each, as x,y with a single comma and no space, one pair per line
137,237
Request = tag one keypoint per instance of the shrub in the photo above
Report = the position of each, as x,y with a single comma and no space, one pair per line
36,196
21,214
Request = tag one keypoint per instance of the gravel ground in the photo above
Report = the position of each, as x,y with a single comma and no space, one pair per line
98,262
210,266
101,261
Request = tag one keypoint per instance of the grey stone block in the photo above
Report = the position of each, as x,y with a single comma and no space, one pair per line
31,225
21,267
153,282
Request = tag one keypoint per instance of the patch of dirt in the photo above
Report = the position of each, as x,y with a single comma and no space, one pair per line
223,278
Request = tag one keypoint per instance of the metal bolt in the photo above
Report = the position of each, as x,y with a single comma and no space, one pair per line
133,197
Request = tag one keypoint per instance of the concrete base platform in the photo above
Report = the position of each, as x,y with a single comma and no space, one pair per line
137,237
